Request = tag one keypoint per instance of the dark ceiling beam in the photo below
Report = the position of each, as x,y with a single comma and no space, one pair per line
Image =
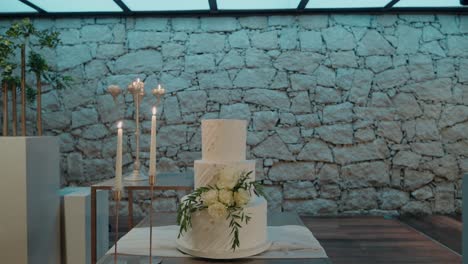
122,5
38,9
213,5
302,5
391,4
196,13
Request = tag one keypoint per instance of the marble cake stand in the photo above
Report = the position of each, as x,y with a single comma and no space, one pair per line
184,247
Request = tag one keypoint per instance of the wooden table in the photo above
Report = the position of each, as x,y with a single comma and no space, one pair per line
164,181
162,219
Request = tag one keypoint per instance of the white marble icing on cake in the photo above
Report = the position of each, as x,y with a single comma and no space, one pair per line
206,172
224,139
210,237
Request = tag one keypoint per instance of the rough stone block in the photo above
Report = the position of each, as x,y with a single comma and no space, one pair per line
311,41
83,117
312,207
273,147
138,62
416,179
265,120
254,78
359,199
287,171
206,43
269,98
265,40
361,152
338,38
336,134
235,111
366,174
316,150
219,24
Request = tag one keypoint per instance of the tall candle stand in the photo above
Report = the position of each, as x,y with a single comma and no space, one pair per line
117,198
137,90
158,93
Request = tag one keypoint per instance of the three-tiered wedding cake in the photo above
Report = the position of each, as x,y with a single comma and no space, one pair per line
223,153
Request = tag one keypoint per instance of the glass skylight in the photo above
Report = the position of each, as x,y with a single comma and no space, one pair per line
428,3
8,7
346,3
257,4
77,5
167,5
15,6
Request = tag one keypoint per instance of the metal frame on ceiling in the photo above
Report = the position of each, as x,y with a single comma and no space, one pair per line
214,11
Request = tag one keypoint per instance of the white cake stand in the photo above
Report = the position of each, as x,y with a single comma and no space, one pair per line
244,253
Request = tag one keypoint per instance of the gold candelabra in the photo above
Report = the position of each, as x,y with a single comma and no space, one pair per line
137,90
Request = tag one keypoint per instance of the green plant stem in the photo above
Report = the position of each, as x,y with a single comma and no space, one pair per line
23,90
39,104
13,109
5,108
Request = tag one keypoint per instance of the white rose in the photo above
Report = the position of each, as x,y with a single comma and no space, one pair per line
225,196
227,179
241,197
217,211
209,197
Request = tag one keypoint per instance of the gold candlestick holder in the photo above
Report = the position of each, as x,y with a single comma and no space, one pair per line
137,90
151,182
158,93
117,198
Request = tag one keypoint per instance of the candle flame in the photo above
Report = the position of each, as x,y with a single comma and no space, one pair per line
119,125
159,86
154,110
138,80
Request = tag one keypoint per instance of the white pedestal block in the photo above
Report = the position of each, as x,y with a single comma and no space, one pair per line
76,223
29,200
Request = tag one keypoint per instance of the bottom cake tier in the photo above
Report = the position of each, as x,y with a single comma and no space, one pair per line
213,239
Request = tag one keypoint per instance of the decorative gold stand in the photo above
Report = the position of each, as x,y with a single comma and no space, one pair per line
151,183
117,199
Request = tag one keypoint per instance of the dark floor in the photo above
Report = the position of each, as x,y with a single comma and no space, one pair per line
377,240
431,239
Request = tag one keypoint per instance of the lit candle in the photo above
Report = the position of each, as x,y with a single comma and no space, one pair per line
152,166
161,90
118,158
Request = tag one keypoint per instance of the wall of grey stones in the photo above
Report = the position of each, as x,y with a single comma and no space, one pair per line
348,114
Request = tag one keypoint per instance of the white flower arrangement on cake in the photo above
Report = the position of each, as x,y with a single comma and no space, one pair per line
225,200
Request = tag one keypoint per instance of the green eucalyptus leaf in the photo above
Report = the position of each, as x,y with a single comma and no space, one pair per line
30,94
37,63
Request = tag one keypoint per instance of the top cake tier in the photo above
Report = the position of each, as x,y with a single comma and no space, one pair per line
224,139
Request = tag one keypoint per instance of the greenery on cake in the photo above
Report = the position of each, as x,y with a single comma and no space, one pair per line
225,200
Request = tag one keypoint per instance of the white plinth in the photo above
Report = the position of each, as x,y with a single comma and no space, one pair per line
76,225
29,201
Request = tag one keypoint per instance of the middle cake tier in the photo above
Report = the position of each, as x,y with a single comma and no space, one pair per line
207,172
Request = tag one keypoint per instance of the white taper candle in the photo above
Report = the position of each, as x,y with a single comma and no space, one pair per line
118,158
152,165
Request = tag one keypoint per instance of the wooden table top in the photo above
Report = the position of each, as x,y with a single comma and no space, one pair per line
162,219
173,181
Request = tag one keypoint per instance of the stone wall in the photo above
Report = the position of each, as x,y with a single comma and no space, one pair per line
347,113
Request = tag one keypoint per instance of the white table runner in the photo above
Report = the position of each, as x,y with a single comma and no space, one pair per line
289,241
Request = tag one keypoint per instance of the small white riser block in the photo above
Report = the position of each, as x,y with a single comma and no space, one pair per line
77,225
